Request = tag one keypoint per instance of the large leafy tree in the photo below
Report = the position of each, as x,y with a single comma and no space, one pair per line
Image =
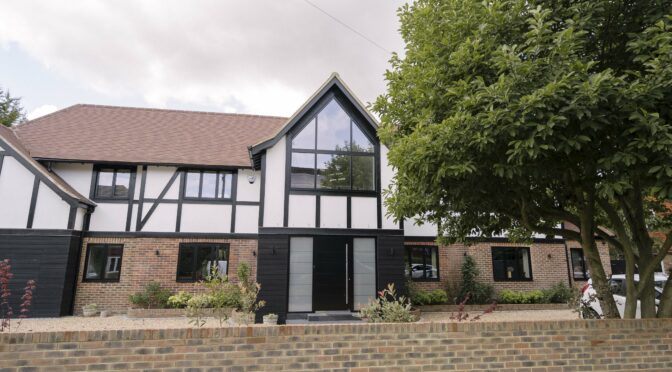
524,116
11,111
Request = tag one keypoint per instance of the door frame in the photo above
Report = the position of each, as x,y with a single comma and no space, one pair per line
349,262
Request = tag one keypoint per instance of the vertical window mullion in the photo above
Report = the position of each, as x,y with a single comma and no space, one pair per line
114,182
217,176
200,185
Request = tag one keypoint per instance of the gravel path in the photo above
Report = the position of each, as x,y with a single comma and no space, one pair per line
120,322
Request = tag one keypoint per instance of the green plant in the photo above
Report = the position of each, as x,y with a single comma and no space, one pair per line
435,297
508,296
388,308
249,290
179,300
152,297
470,288
196,308
558,294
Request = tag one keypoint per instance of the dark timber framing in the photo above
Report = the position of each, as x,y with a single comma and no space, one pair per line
234,196
2,158
160,198
131,196
180,199
141,197
33,203
262,189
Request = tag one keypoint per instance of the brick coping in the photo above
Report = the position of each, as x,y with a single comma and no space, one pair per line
259,330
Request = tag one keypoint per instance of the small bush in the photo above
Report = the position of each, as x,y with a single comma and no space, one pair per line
152,297
558,294
508,296
388,308
435,297
179,300
470,288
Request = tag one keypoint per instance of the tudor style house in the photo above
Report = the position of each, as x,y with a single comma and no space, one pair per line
96,201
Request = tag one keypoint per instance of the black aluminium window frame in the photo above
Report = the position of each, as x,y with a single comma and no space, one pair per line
434,249
97,168
375,154
197,244
201,171
86,262
583,263
529,261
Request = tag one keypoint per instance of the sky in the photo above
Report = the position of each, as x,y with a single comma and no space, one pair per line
261,57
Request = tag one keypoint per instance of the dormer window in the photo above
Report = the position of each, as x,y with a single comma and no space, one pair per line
332,152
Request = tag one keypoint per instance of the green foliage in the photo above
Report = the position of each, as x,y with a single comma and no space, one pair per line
11,112
508,296
558,294
435,297
152,297
179,300
470,288
197,309
388,308
249,290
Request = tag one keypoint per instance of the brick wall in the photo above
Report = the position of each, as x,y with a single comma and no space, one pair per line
549,264
597,345
140,264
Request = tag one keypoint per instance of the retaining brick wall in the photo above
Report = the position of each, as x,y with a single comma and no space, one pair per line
596,345
141,265
549,264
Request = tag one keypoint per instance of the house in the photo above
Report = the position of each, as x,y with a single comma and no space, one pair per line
96,201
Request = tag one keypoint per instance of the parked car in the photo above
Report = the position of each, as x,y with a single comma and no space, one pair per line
418,271
617,284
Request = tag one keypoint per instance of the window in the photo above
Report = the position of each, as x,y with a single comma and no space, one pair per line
113,183
103,262
422,262
207,184
332,153
578,264
511,263
196,261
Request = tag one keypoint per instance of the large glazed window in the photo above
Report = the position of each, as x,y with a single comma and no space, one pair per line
422,262
511,264
103,262
578,264
332,152
208,184
195,261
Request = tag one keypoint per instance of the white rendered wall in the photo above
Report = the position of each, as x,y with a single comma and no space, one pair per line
334,212
109,217
301,211
51,211
411,229
364,213
77,175
247,219
386,175
16,189
162,220
79,219
274,200
157,179
248,191
300,274
213,218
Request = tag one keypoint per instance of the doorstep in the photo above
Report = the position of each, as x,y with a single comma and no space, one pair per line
322,317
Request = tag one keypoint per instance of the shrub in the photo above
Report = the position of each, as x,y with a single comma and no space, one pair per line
435,297
558,294
179,300
196,308
6,310
470,288
388,308
508,296
152,297
249,290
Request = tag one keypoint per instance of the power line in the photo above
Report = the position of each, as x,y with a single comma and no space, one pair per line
347,26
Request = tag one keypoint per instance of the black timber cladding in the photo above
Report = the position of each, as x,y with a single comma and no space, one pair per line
50,257
273,274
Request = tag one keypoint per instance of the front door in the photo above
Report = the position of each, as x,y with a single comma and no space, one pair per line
331,273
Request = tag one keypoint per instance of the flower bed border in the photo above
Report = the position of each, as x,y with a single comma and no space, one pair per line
500,307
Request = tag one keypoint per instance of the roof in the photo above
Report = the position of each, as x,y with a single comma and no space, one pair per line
9,138
141,135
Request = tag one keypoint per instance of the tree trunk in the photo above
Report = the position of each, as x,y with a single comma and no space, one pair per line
665,307
630,287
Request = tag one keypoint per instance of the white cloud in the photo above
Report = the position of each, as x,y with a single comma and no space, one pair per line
41,111
255,56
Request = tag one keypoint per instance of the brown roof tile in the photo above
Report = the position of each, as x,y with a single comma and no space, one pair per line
141,135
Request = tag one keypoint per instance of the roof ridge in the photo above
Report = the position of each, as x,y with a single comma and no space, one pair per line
177,110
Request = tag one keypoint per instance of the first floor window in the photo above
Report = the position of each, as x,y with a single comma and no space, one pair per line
103,262
422,262
578,264
198,260
511,263
113,183
208,184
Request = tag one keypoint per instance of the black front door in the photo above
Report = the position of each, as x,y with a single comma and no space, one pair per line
331,273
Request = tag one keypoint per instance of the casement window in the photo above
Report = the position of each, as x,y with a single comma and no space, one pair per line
113,183
208,184
578,264
103,262
332,152
195,261
422,262
511,264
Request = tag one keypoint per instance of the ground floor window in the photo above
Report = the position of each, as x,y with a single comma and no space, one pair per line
103,262
422,262
578,264
196,261
511,264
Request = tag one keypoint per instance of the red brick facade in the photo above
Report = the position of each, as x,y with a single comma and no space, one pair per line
141,264
549,264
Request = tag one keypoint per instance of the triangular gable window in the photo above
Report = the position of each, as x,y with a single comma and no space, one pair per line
332,152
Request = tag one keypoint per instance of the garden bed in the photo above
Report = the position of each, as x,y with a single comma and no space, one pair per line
155,313
500,307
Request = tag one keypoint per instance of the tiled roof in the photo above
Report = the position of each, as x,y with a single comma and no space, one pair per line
141,135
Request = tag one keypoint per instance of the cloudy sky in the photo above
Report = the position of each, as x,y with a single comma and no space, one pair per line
246,56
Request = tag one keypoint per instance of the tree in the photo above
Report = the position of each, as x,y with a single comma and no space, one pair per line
518,116
11,111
